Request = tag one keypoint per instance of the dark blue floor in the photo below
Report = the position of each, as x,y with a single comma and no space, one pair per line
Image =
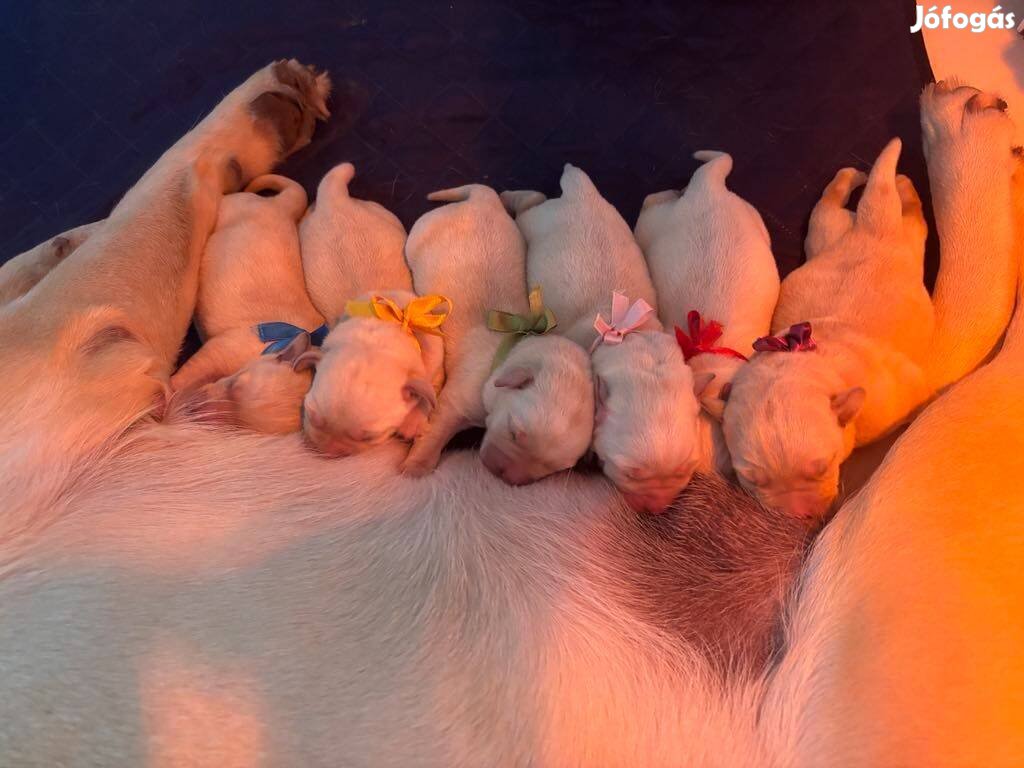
436,94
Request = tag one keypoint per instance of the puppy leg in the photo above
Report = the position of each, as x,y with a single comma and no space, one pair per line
219,357
426,449
830,218
20,274
967,140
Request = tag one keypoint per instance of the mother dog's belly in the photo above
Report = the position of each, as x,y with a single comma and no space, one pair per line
229,596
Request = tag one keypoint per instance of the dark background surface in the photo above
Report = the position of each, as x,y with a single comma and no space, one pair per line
430,95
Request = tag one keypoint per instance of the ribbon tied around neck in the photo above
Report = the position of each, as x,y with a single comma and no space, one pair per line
625,319
796,339
281,334
702,337
424,314
538,321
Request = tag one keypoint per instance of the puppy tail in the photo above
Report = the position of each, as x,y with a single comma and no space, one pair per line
657,198
519,201
717,167
335,182
286,193
473,192
575,183
880,207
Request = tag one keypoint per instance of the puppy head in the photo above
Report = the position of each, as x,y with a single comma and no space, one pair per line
788,426
645,422
371,385
266,394
540,410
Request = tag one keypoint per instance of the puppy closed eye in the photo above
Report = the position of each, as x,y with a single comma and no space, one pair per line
756,477
817,469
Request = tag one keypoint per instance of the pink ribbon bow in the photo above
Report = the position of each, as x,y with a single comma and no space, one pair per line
796,339
625,320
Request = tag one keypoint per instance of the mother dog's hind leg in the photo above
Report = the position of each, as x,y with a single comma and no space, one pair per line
97,338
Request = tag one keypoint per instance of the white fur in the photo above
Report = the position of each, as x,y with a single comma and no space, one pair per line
251,273
21,273
360,396
471,251
708,250
362,393
793,417
349,246
177,595
580,251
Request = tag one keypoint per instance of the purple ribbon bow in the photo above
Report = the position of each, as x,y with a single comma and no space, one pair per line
796,339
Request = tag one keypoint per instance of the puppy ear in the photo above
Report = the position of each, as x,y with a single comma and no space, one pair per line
600,400
515,378
308,360
422,390
847,404
701,382
296,347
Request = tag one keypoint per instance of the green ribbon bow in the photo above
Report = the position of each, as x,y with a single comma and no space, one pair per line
538,321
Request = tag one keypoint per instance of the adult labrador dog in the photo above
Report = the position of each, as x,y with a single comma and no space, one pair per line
176,594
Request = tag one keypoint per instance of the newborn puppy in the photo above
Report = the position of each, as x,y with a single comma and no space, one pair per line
645,415
252,298
850,367
377,374
265,395
711,262
375,378
472,251
349,246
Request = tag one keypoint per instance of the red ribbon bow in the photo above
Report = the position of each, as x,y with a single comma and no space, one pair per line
702,337
796,339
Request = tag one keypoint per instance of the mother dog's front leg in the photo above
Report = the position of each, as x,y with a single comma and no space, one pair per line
967,138
94,342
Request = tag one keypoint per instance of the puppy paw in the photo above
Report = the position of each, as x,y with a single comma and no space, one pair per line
416,467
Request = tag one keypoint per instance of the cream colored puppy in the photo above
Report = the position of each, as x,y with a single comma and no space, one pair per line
375,379
645,416
711,262
349,246
802,404
252,298
262,395
471,251
20,274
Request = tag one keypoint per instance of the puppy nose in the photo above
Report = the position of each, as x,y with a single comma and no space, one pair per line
651,502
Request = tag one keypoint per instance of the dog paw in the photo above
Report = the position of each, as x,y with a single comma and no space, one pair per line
294,98
953,113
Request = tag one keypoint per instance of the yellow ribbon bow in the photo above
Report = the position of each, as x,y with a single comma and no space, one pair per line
421,314
538,321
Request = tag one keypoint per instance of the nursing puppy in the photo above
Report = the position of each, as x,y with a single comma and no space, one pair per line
349,246
471,251
645,419
20,274
858,371
264,395
708,252
375,379
250,276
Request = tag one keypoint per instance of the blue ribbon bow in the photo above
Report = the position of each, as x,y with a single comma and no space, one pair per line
280,335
